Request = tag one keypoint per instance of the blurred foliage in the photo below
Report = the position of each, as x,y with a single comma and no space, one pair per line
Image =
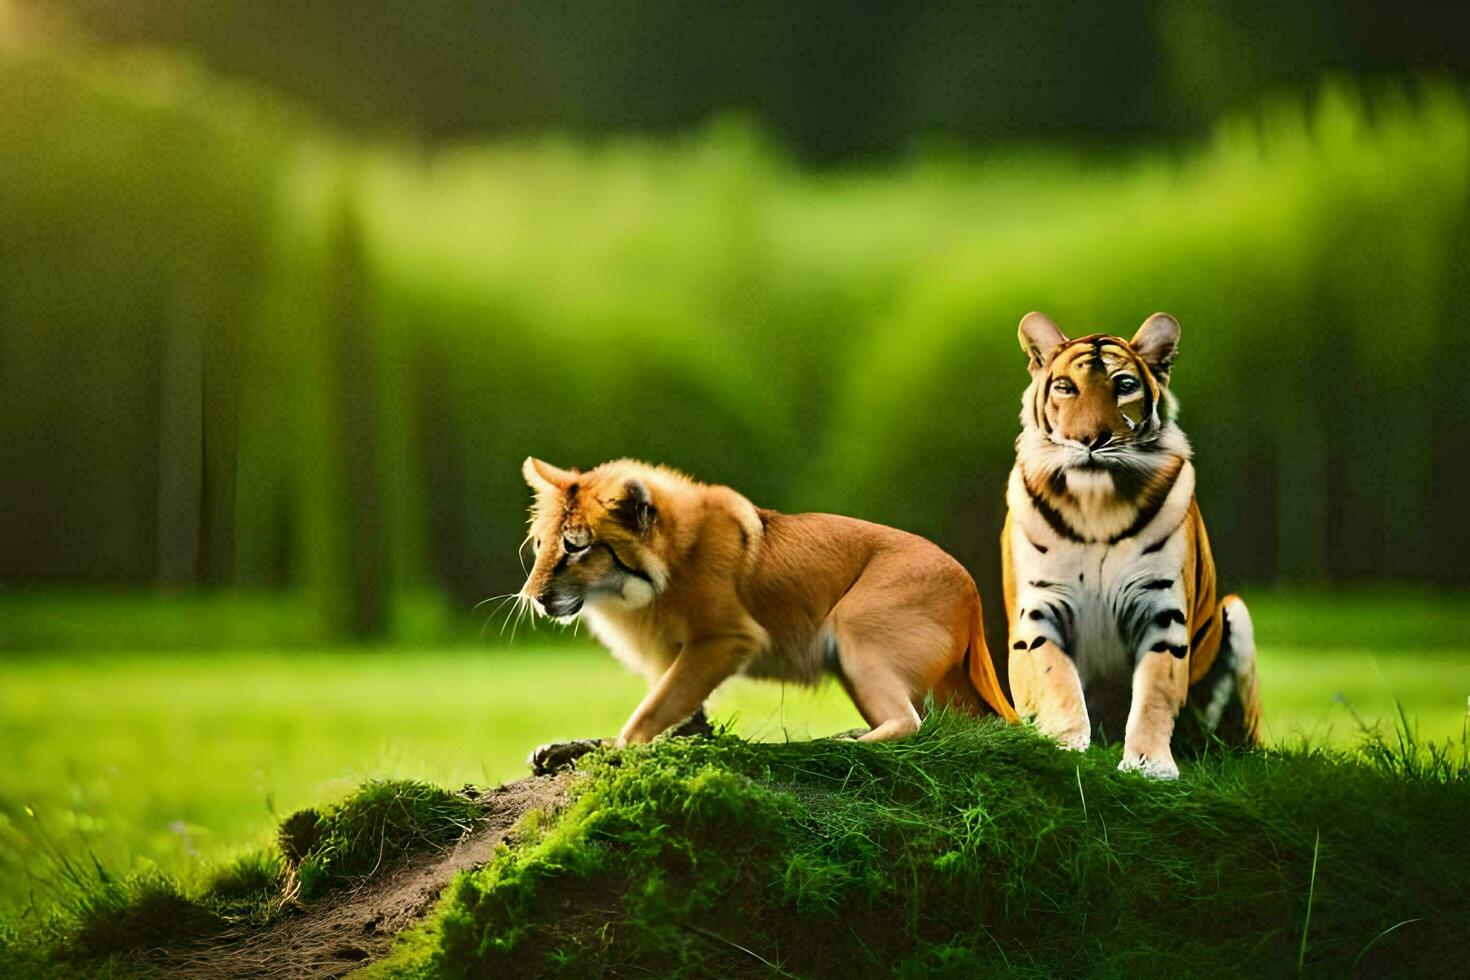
832,79
238,351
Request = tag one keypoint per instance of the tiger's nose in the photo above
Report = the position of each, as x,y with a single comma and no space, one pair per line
1100,440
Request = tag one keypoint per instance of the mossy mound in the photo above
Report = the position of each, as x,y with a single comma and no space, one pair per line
972,848
966,850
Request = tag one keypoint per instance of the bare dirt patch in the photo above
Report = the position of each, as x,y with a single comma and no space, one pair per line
336,935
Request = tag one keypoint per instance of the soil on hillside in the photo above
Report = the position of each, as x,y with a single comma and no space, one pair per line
336,935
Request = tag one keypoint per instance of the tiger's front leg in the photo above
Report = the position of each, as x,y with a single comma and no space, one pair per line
1048,690
1160,683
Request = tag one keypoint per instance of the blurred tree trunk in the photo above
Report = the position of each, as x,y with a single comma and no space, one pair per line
1303,406
351,346
221,436
198,425
1450,531
180,449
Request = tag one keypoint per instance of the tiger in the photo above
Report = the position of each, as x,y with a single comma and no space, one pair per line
1108,578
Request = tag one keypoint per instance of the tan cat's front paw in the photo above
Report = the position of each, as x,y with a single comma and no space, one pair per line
556,756
1070,735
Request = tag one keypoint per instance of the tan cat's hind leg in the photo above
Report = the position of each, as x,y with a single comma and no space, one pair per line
880,694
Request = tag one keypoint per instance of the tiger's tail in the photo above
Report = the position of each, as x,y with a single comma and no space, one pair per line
1239,645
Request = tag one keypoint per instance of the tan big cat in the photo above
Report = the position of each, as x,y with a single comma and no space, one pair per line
690,584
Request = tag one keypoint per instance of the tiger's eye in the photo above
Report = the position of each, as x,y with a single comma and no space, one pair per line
1063,387
1126,384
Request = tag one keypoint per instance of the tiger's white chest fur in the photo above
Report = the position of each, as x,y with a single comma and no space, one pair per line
1103,602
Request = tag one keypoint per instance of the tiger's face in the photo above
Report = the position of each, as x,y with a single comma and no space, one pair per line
1095,399
592,536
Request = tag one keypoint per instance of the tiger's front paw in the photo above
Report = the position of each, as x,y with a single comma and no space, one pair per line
556,756
1158,768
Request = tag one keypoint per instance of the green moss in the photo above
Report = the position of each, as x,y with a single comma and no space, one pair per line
970,849
415,953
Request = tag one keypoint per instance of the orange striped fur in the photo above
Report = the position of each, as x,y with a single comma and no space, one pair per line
1108,576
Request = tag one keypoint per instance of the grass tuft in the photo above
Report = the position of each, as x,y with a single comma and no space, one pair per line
250,888
139,912
378,824
1301,956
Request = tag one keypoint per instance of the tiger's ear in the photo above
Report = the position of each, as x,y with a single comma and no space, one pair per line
634,509
1157,341
1040,339
545,478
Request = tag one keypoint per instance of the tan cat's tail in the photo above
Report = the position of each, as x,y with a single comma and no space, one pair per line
972,682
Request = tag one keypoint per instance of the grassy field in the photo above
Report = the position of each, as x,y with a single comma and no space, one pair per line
182,759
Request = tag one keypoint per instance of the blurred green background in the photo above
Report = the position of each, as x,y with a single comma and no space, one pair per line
287,291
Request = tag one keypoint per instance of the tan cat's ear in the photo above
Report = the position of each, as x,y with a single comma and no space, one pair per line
1040,339
545,477
1157,341
635,509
